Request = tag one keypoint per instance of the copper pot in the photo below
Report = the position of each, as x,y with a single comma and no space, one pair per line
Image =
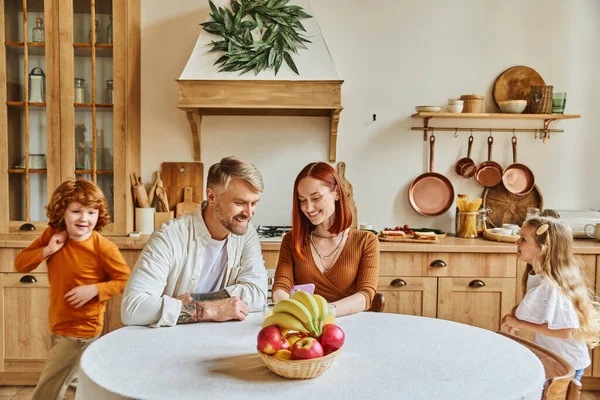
518,178
431,193
466,167
489,173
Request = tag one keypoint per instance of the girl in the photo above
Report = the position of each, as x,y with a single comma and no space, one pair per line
322,249
558,305
84,271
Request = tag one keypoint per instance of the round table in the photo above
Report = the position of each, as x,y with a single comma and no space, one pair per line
385,356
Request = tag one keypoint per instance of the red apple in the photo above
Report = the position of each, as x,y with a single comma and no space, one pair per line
285,344
306,348
269,339
294,337
332,338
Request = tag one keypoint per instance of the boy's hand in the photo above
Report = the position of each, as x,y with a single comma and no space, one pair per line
57,241
80,295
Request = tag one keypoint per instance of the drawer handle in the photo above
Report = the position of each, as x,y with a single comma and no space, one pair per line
477,283
28,279
398,282
438,264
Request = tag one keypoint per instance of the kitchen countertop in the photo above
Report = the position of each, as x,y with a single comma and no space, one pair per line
448,245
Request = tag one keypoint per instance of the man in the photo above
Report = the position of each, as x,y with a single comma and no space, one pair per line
206,266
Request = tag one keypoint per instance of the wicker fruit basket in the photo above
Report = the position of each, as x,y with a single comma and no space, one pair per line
491,235
299,369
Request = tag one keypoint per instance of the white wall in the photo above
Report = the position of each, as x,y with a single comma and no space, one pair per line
394,55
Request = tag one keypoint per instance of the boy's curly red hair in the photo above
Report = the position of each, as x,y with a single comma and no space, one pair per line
82,191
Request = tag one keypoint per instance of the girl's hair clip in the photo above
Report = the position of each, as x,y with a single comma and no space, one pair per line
542,229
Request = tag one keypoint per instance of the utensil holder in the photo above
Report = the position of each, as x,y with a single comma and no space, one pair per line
541,100
144,220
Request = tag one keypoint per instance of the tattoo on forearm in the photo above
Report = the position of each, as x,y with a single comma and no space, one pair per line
221,294
194,312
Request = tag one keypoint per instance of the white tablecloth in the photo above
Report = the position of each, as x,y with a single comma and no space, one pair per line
385,356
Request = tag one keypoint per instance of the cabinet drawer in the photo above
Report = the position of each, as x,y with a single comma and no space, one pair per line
409,295
448,264
7,260
271,258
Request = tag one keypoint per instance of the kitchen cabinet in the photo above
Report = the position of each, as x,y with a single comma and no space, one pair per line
26,340
409,295
68,131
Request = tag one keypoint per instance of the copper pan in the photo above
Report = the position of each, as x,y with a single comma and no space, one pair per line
466,167
518,178
431,193
489,173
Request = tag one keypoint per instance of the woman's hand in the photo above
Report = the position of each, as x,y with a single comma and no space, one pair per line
512,323
80,295
57,241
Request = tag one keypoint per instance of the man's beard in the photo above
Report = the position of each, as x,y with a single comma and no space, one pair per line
232,225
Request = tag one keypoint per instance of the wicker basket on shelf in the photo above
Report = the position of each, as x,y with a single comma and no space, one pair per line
299,369
472,103
541,100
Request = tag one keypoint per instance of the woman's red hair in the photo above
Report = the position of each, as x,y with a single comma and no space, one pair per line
81,191
301,225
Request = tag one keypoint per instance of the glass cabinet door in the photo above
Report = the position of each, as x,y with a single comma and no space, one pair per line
93,94
30,124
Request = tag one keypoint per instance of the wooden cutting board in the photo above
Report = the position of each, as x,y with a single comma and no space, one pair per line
187,206
176,176
408,240
341,170
515,84
508,208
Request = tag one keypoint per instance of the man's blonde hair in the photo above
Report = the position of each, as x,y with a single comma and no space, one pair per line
221,173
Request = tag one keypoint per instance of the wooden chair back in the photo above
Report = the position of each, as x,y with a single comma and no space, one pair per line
378,303
559,384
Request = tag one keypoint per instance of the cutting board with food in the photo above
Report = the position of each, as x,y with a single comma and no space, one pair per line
411,235
176,176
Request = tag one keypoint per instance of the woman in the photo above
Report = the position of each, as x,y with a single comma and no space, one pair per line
342,262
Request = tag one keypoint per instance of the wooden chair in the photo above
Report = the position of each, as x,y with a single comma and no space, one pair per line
559,384
378,303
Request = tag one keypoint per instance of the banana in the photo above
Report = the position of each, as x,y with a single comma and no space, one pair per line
285,321
323,310
311,304
298,310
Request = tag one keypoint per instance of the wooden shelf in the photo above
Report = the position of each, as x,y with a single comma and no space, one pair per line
19,48
545,131
494,115
22,171
98,172
261,97
85,49
88,107
21,104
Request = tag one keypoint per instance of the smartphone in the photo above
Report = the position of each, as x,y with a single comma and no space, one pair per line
307,287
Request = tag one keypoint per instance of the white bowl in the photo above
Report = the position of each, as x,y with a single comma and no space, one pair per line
428,108
455,108
455,102
512,106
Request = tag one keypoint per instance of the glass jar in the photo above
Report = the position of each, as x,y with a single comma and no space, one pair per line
467,224
482,220
109,31
79,95
37,35
97,33
532,212
109,93
459,196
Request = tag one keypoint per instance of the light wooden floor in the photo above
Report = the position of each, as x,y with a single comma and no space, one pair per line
25,392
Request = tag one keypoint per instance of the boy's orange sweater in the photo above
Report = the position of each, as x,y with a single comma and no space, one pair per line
95,260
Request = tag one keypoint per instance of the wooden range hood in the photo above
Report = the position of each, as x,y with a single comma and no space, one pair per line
261,97
315,92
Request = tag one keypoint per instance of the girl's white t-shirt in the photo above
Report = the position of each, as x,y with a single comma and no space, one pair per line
213,266
544,302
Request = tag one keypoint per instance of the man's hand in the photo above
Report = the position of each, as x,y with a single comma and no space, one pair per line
216,306
57,241
512,323
80,295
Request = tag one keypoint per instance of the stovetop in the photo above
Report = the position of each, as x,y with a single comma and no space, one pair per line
272,233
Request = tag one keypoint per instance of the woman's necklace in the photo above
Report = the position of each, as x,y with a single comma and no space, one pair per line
332,253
